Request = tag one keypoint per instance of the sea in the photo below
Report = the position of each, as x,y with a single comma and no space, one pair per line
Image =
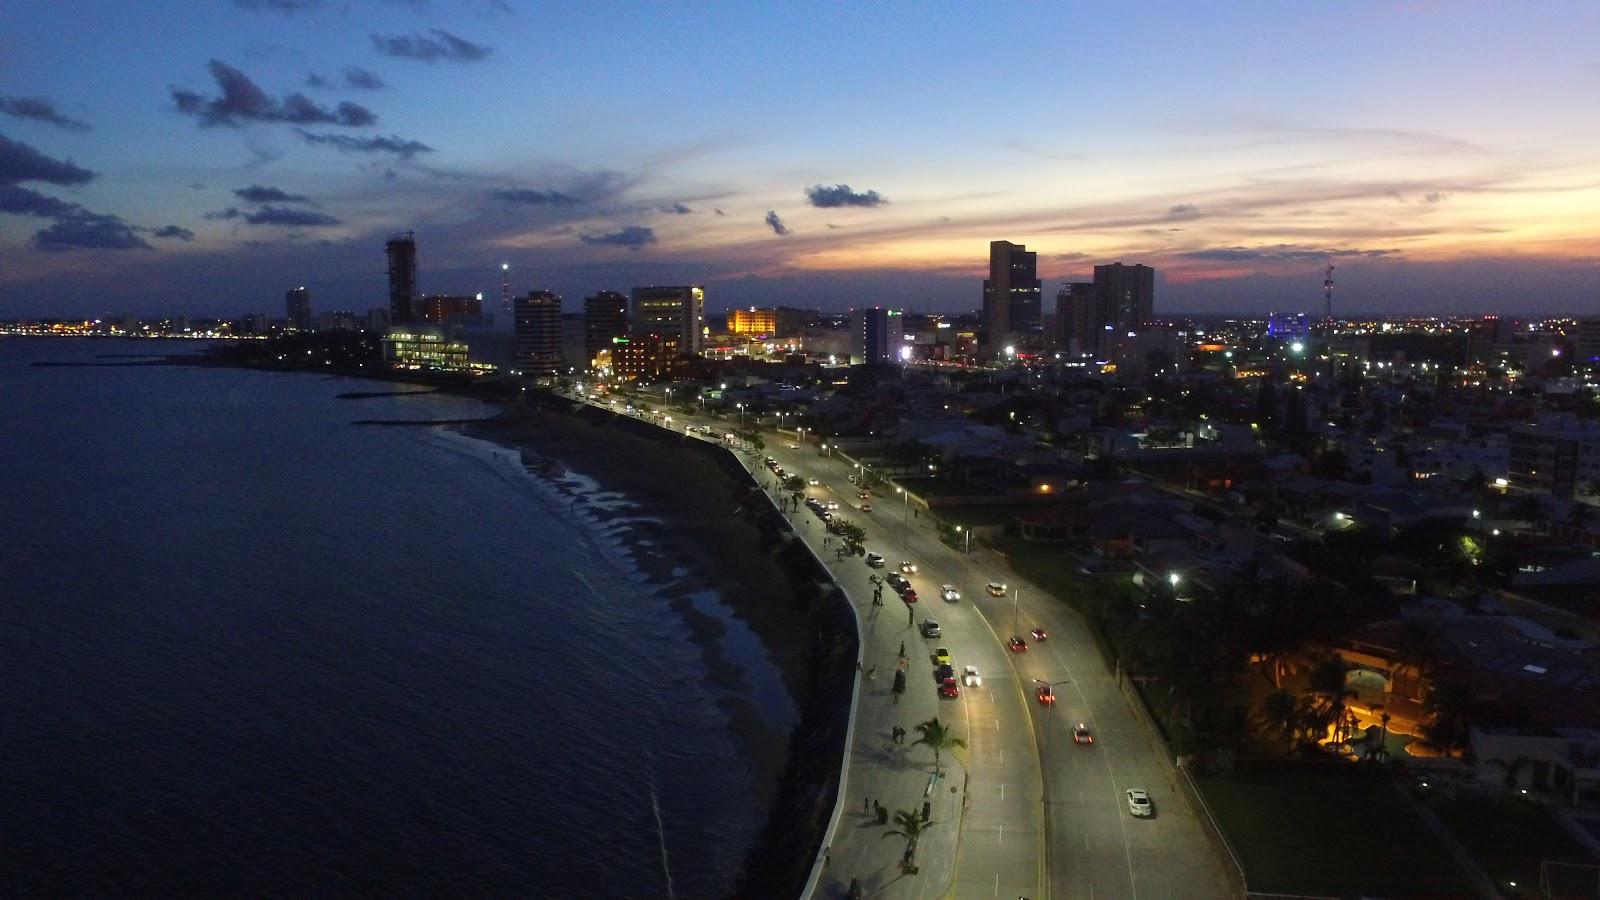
250,648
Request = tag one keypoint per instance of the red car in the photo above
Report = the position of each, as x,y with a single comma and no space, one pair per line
1039,635
910,596
1081,734
949,688
1017,645
1046,696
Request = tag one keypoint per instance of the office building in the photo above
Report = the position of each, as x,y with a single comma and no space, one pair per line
650,356
299,303
875,336
441,308
753,322
337,320
255,323
605,320
402,252
678,311
1077,328
1011,295
423,348
1126,295
1588,341
538,330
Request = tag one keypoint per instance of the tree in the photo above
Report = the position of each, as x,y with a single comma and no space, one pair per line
794,483
909,825
899,684
852,534
1326,684
937,735
1282,712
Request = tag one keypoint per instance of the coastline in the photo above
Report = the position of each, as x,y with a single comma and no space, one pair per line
715,517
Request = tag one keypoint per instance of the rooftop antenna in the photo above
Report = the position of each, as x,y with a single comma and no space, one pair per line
1327,298
505,286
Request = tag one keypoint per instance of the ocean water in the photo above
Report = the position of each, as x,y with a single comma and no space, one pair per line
249,648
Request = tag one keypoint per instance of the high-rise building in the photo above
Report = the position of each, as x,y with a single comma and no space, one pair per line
1010,295
1077,328
605,320
875,336
299,302
337,320
441,308
753,321
538,328
1126,294
1589,343
672,311
648,357
403,306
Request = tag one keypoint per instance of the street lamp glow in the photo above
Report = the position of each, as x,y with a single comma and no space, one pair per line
1173,578
1010,350
505,267
1297,347
1476,514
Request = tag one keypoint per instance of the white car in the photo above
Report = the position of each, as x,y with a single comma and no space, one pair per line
996,588
833,504
813,482
875,560
949,593
909,568
1139,804
792,446
970,676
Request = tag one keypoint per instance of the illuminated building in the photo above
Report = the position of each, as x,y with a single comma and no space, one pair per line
299,303
605,318
538,329
1010,295
441,308
402,252
753,321
875,336
423,348
679,312
648,357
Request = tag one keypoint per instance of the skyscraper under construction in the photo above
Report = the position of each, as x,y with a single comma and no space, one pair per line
404,307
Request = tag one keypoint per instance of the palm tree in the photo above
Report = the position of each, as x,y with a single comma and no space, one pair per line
1326,682
909,826
937,735
1281,712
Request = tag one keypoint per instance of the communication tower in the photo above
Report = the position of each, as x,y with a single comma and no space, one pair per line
505,286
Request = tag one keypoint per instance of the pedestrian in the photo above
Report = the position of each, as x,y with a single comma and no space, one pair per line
902,649
927,810
866,804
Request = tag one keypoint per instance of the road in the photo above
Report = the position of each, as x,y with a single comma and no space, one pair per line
1045,817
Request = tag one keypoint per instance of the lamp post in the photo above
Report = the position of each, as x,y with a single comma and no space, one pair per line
1052,685
741,414
905,520
1016,612
966,536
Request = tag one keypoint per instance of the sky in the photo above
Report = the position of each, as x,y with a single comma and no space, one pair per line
203,157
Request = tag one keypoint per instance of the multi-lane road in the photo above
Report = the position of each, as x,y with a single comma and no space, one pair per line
1044,816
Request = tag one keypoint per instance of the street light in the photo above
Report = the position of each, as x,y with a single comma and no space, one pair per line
1052,685
905,497
967,536
741,414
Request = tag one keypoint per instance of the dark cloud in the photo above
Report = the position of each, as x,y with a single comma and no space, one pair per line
401,147
317,81
824,197
778,227
632,236
1436,197
282,6
20,162
19,201
1285,253
719,212
231,212
677,209
277,215
1183,211
242,100
173,231
89,231
535,198
39,110
832,227
442,45
363,79
257,193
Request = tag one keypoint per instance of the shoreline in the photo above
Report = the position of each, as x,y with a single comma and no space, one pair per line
715,517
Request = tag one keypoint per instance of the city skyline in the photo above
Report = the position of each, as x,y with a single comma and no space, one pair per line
272,143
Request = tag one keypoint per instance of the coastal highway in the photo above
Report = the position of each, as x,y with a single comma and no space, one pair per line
1044,817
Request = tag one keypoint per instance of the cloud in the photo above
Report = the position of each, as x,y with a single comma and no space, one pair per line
1183,211
277,215
173,231
282,6
442,45
317,81
19,201
1285,253
89,231
832,227
632,236
719,212
242,100
678,209
401,147
778,227
1436,197
824,197
256,193
39,110
535,198
20,162
363,79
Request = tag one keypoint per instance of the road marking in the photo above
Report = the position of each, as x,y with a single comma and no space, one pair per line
1000,836
997,884
1002,790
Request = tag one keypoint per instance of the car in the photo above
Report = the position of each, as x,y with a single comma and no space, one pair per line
1017,645
971,677
833,504
1039,634
813,482
866,507
875,560
948,593
949,689
910,568
930,629
942,656
1047,697
996,588
1139,804
897,581
792,446
1081,734
941,673
909,595
863,495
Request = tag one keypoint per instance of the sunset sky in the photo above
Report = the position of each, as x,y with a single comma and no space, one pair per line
204,156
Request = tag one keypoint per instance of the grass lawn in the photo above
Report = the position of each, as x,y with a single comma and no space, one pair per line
1509,837
1329,835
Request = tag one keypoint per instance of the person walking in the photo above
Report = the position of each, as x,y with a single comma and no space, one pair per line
866,804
